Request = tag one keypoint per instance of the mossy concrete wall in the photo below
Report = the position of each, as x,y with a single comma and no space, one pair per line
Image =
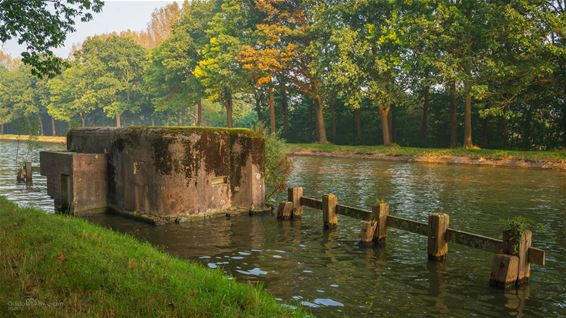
85,188
172,173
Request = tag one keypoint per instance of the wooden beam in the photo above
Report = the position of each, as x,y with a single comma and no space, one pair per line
473,240
536,256
407,225
311,203
352,212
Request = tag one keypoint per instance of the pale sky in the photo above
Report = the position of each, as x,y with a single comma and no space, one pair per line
116,15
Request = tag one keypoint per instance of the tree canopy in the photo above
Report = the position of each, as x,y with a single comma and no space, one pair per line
421,73
41,26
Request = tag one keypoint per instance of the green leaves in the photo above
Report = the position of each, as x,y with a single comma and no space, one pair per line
42,25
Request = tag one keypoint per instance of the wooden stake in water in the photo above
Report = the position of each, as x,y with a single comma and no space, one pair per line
284,211
437,244
329,216
28,172
294,195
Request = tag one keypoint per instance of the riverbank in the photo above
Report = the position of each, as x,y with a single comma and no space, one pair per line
489,157
55,139
55,265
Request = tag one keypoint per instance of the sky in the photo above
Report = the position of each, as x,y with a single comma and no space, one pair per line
116,15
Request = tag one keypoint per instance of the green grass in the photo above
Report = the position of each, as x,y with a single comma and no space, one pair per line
55,265
558,156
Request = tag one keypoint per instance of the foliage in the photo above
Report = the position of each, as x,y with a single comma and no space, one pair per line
414,73
42,25
514,228
277,166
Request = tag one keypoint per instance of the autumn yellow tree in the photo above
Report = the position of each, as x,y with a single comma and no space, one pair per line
270,55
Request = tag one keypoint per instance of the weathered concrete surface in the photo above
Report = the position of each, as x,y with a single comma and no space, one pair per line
173,173
76,181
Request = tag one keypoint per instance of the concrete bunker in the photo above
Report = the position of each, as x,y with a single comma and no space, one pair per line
158,173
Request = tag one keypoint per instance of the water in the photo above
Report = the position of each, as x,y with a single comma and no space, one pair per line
328,274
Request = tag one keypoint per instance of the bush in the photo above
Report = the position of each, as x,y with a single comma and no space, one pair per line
277,166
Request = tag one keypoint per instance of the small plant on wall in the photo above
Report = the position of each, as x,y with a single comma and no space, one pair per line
277,166
514,228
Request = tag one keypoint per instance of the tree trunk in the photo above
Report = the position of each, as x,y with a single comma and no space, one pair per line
453,115
526,135
285,104
83,123
118,122
199,112
424,120
53,127
357,126
384,114
333,122
468,121
319,112
228,106
41,131
320,120
2,129
272,110
564,120
258,107
392,127
484,132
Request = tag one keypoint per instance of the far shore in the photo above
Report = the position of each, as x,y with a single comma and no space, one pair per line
54,139
485,157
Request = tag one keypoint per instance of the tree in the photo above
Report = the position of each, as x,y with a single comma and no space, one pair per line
73,93
42,25
269,55
170,77
219,70
119,62
368,55
301,17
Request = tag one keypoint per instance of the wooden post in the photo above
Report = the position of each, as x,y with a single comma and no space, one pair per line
367,232
375,230
514,272
294,195
21,175
382,212
437,244
284,210
504,270
329,215
28,172
524,265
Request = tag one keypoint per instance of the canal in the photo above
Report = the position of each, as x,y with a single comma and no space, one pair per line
328,273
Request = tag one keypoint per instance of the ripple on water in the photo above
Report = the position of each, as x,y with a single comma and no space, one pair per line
253,272
328,302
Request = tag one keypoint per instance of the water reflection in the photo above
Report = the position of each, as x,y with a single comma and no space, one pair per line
327,272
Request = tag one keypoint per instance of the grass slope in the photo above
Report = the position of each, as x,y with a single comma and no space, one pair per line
55,265
548,156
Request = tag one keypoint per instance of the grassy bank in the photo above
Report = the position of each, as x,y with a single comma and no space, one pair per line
54,265
489,154
57,139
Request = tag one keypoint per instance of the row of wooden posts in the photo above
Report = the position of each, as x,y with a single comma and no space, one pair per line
510,264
